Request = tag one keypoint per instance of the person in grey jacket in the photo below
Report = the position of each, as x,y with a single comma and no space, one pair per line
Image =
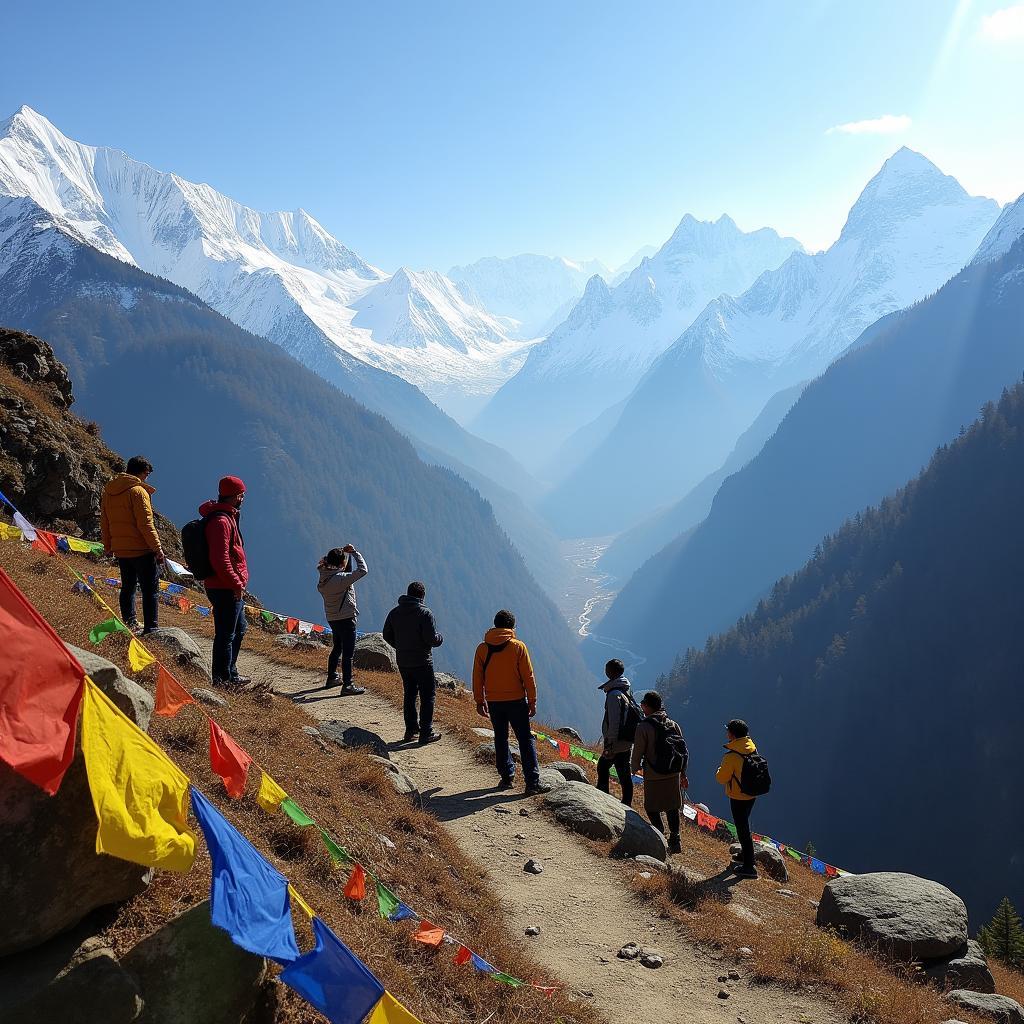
337,588
617,702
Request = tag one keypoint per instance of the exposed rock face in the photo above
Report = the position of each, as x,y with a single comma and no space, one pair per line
400,781
373,655
31,360
569,733
967,970
908,917
771,862
571,771
182,649
345,734
446,681
999,1008
49,843
600,816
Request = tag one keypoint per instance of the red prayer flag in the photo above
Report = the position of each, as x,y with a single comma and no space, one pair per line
171,696
291,625
318,629
463,956
831,872
184,604
705,820
355,887
228,760
548,990
563,750
45,541
429,934
41,688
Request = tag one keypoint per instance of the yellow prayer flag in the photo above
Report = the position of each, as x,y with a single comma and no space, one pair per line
81,546
270,795
390,1011
296,898
138,656
9,532
140,795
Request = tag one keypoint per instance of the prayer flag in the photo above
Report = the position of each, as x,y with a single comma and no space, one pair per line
831,872
403,913
429,934
331,978
248,895
27,529
355,887
138,657
83,547
689,812
184,604
177,568
171,696
9,532
271,794
731,829
317,629
296,813
817,866
40,692
203,610
99,633
140,795
464,955
390,1011
296,898
507,979
228,760
795,854
338,853
705,820
481,964
387,901
45,541
267,616
563,750
291,625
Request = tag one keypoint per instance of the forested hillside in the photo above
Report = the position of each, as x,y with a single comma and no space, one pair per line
166,376
883,680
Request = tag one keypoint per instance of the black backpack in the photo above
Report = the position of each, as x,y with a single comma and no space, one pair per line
492,650
755,779
631,715
670,753
194,546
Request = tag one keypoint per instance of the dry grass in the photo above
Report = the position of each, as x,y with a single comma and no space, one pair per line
351,797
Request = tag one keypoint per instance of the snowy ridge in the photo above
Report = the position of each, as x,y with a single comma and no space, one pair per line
1003,234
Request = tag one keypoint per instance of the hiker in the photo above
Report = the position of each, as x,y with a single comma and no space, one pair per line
659,748
128,533
225,586
337,588
739,750
506,692
621,716
410,630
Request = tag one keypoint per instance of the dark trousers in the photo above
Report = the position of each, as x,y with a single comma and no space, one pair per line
514,713
343,636
741,819
673,822
622,769
419,682
228,629
141,573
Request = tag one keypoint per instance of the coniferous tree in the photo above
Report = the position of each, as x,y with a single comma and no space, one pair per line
1003,937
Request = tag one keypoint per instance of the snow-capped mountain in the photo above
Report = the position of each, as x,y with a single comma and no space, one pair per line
533,293
596,356
281,275
1004,234
911,229
622,272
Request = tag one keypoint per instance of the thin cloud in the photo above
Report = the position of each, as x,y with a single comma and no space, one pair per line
1004,25
887,124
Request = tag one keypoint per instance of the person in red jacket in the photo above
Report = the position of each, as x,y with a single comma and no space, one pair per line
226,587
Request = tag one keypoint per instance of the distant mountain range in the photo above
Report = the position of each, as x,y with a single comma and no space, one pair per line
612,335
912,228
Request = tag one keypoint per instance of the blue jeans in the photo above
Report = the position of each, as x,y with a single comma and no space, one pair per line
142,573
514,713
343,646
228,629
418,682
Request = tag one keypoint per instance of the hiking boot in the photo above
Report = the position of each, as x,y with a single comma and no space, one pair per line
536,788
505,783
240,680
332,680
742,872
409,736
134,627
674,846
349,690
431,737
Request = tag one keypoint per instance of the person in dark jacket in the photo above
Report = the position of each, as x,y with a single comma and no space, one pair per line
410,629
616,749
339,570
663,791
225,589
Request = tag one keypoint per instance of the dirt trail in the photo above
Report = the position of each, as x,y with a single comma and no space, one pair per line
580,903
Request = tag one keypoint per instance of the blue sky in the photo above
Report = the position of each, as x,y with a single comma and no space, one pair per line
433,132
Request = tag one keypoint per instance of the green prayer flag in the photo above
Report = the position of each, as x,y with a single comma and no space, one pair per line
296,813
732,829
104,629
795,854
577,751
507,979
338,853
267,616
387,901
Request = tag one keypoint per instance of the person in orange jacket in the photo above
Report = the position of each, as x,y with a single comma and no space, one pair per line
505,691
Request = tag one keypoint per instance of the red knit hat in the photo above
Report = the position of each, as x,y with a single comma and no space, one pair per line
229,486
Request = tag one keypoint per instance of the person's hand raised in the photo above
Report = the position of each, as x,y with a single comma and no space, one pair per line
348,549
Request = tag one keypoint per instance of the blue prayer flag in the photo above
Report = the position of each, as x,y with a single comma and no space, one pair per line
203,610
817,865
333,979
248,895
6,500
63,546
402,912
481,964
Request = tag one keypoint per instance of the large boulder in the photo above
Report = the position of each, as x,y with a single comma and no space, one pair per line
569,770
190,972
400,781
183,650
350,736
372,654
907,917
999,1008
446,681
600,816
50,873
967,969
550,778
771,862
486,752
569,733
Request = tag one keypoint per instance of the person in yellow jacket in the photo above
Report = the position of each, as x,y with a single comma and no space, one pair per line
739,745
129,534
505,691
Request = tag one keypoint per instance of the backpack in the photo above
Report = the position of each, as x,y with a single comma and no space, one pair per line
670,753
755,779
196,549
492,649
631,715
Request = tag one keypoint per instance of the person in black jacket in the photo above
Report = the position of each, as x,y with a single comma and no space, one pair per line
410,629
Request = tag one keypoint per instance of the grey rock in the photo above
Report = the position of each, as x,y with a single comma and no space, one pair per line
630,951
569,733
744,951
350,736
734,975
182,649
652,863
486,734
372,654
500,809
724,993
968,969
571,771
446,681
652,960
600,816
400,781
999,1008
909,918
523,812
533,868
190,972
129,697
215,700
311,730
532,930
771,862
296,640
785,892
486,752
551,778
